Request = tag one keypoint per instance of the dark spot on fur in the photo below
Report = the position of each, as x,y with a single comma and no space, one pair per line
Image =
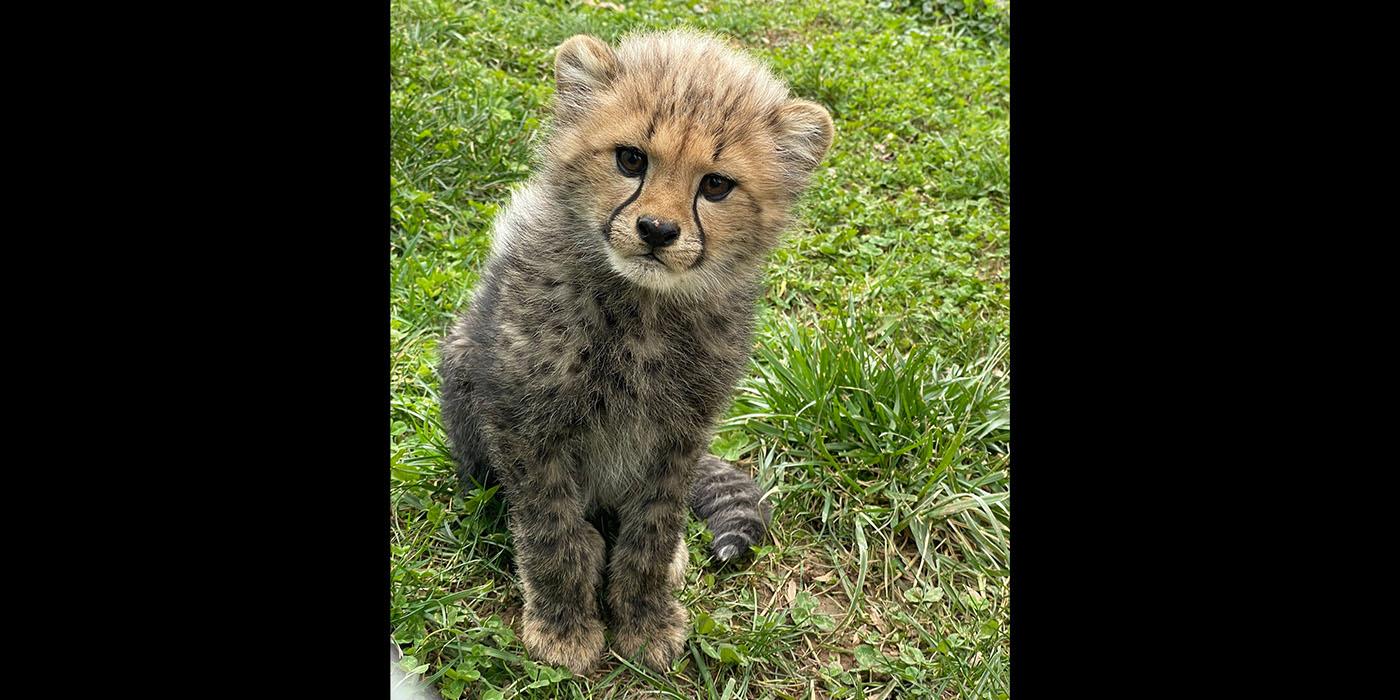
550,394
729,111
619,384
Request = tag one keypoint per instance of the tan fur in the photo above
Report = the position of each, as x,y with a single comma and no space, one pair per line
684,98
579,650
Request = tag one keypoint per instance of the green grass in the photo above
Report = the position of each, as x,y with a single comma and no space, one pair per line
877,407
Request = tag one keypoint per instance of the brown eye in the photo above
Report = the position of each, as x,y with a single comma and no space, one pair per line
716,187
631,161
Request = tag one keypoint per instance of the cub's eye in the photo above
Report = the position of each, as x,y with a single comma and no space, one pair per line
631,161
716,187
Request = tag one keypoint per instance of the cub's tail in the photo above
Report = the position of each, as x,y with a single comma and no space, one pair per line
731,504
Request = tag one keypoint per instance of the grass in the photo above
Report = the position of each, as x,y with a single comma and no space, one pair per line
877,408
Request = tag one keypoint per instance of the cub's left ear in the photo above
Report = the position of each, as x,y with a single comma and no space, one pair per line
583,67
803,134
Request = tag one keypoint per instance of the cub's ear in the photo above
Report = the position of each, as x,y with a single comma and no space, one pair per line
583,67
803,133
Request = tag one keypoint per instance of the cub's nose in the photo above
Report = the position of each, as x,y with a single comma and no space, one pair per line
657,233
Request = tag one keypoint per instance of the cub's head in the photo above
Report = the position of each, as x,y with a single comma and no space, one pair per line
682,155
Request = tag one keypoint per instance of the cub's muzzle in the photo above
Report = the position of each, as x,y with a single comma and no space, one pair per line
657,233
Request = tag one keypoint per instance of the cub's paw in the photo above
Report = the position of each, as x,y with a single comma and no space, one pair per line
578,648
660,638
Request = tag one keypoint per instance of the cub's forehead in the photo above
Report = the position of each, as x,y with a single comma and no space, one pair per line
689,77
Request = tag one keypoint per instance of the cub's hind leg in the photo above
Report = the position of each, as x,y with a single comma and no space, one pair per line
459,417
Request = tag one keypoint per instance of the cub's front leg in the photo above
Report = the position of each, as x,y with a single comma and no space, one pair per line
560,558
642,571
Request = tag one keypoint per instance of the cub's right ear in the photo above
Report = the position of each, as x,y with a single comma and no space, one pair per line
583,67
803,134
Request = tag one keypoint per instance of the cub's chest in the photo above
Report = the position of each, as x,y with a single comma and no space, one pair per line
624,357
637,372
616,454
635,392
620,367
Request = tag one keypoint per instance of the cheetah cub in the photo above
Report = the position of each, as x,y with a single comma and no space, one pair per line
611,322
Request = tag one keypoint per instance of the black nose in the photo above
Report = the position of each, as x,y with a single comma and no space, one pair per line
657,233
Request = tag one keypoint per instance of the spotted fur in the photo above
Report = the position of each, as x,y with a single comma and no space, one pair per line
586,375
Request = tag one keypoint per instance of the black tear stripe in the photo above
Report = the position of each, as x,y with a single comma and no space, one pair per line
608,224
695,211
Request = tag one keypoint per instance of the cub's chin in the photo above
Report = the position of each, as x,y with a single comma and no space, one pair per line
659,272
647,270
